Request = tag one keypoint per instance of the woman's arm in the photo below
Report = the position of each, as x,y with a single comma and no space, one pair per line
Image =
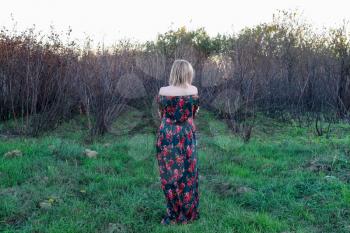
195,110
196,105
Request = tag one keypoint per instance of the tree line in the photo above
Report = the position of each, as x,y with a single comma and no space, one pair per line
282,68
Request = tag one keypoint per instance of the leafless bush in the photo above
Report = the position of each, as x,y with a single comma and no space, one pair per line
36,81
105,86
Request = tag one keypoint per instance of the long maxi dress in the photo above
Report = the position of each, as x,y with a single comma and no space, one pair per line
176,148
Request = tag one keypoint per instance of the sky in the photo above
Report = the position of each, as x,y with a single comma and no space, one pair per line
111,20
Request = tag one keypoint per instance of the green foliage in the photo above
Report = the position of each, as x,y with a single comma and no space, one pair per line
285,179
199,39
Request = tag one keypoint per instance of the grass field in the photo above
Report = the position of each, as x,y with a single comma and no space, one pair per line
285,179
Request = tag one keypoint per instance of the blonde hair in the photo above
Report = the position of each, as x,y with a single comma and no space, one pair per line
181,73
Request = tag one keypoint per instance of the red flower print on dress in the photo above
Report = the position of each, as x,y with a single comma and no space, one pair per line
165,151
176,207
177,174
181,103
189,135
189,182
159,142
189,151
179,160
170,194
169,135
179,191
182,143
169,164
169,109
187,197
182,185
178,129
178,202
192,167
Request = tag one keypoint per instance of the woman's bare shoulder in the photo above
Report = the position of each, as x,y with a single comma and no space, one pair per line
163,90
170,90
195,88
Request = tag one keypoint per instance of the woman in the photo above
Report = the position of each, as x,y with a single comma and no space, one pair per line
176,145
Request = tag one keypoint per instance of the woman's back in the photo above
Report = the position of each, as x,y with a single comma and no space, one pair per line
178,91
177,104
178,109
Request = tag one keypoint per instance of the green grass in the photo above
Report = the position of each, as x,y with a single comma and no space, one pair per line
285,179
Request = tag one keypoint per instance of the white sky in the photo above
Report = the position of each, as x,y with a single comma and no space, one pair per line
110,20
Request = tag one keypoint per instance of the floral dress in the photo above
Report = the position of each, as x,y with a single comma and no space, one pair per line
177,157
